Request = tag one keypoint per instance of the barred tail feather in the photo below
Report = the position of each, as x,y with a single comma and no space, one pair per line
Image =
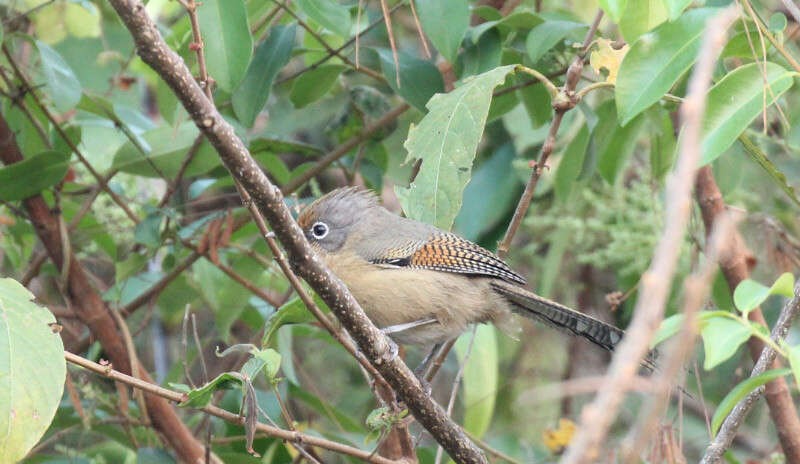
568,320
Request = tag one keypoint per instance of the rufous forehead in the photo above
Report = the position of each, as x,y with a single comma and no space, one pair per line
307,217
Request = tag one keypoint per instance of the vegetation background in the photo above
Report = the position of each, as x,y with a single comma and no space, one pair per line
115,207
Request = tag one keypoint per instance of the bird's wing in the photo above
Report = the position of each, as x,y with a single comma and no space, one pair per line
448,253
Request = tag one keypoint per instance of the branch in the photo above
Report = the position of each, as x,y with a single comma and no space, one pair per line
573,75
153,389
733,264
269,200
597,417
727,431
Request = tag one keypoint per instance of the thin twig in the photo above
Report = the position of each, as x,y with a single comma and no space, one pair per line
573,75
294,437
367,71
353,40
597,417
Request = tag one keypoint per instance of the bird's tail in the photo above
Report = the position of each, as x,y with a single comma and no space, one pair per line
568,320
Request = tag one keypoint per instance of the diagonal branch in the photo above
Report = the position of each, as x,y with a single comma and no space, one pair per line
269,200
733,264
727,431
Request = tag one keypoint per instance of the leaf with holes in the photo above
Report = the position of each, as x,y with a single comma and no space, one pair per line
446,140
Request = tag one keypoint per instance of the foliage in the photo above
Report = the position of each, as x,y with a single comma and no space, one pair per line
169,246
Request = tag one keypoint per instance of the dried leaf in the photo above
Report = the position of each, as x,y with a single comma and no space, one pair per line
607,57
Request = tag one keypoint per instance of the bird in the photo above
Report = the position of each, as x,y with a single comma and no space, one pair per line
424,286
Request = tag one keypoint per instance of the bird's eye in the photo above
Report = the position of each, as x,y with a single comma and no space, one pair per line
319,230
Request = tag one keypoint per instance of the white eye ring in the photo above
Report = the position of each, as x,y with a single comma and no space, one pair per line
319,230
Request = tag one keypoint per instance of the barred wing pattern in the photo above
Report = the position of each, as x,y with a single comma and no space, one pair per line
450,253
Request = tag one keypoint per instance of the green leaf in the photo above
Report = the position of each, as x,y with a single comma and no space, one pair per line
227,43
777,22
32,175
490,194
571,164
772,171
613,8
740,391
271,55
167,147
749,294
519,20
419,79
794,359
739,45
480,381
292,312
537,103
656,61
32,371
547,35
201,396
446,140
667,329
722,336
640,17
662,150
313,85
676,7
736,100
272,363
62,85
480,57
614,143
328,13
281,145
445,22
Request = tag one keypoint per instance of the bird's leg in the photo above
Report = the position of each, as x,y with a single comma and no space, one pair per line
388,330
421,371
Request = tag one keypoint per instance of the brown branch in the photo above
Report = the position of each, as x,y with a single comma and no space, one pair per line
734,266
90,308
564,102
155,390
597,417
727,431
269,200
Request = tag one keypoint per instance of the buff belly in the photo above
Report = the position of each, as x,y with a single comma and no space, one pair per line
392,296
